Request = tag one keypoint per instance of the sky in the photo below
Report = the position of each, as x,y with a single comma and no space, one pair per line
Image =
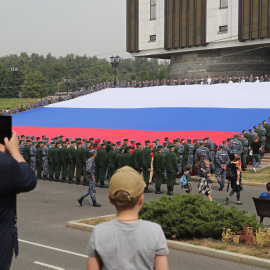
60,27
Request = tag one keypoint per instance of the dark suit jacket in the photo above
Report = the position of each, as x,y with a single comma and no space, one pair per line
14,178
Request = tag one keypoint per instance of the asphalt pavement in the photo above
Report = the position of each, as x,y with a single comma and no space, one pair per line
46,243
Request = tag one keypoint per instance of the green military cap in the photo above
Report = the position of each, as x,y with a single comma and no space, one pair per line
147,141
40,142
166,138
64,142
22,136
87,141
52,142
58,142
125,140
28,141
128,147
79,143
121,148
138,143
160,146
171,145
61,136
73,142
113,144
95,144
174,141
103,144
91,139
37,138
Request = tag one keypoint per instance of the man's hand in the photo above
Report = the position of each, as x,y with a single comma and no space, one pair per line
12,146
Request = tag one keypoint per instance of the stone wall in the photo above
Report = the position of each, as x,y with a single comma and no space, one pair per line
221,62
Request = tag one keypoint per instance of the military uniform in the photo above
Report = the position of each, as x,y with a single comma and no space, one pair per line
137,160
71,162
190,154
57,162
185,156
146,165
79,164
51,160
39,161
101,162
26,153
33,160
45,162
159,166
223,160
90,177
112,163
171,165
64,162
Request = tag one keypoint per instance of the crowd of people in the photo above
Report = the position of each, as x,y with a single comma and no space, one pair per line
159,162
133,84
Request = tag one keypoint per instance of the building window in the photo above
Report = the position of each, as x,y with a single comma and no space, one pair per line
223,3
223,28
153,38
153,8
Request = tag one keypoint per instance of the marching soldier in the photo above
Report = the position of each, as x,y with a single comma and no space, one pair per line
90,176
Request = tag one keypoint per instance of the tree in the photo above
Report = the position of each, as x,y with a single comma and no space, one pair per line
34,85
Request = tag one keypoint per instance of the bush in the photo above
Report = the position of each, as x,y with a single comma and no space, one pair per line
189,216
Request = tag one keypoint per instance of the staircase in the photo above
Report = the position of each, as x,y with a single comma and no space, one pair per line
265,162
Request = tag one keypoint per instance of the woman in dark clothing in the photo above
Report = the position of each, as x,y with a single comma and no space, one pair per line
235,188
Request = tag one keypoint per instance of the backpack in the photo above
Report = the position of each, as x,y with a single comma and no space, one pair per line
183,180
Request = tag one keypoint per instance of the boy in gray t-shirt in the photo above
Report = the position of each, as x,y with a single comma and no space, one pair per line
126,242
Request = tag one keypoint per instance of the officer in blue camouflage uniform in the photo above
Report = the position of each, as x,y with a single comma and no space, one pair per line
263,135
33,161
90,177
223,160
45,162
253,134
225,146
190,153
165,152
202,151
21,147
212,153
245,150
235,146
181,155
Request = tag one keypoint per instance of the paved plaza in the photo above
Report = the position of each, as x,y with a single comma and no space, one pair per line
46,243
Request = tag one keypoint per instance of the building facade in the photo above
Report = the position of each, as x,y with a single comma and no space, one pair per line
202,37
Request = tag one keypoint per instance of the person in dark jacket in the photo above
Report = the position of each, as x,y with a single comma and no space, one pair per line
16,176
236,188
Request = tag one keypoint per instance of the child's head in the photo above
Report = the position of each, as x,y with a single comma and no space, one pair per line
207,164
237,158
126,188
188,168
268,186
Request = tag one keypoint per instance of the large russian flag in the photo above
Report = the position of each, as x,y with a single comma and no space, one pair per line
192,111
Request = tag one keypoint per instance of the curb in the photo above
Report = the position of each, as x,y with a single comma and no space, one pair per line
200,250
219,254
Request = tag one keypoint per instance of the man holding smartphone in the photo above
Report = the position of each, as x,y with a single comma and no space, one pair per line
15,176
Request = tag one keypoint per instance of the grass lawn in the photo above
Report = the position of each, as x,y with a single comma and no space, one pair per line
14,102
262,176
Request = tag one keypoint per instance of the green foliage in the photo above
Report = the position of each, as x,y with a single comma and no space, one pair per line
34,85
191,216
82,70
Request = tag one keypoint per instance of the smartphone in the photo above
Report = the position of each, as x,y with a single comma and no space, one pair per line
5,128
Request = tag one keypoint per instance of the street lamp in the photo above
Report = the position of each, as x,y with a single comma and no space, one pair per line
14,71
115,63
67,82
